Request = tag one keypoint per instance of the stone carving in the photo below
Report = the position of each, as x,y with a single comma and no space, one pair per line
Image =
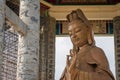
86,61
116,23
47,48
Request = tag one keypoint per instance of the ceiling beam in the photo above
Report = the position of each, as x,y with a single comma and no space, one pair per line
92,12
46,3
17,23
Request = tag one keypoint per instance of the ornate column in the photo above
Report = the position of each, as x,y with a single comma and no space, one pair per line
116,23
2,21
28,47
47,48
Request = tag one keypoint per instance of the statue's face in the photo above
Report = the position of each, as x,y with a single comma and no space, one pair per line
78,33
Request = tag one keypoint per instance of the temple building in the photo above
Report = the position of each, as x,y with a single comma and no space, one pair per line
28,29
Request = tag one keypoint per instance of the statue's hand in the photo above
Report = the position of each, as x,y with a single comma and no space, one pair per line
68,61
73,61
69,58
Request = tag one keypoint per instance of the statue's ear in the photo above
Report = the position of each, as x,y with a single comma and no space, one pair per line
90,41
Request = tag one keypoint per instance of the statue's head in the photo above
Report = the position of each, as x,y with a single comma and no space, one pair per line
80,29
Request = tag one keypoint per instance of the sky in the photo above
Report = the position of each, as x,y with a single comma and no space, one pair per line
63,45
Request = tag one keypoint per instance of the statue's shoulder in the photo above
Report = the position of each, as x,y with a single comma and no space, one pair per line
96,50
99,56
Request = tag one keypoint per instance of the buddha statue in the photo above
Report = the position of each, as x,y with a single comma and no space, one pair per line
86,61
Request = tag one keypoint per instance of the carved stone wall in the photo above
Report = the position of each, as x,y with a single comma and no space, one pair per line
9,64
47,48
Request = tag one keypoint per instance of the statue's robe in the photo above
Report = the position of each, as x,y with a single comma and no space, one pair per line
91,64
